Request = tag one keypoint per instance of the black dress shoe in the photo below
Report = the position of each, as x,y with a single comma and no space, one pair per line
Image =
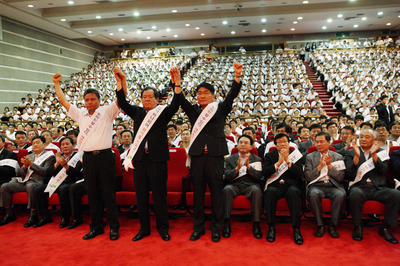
196,235
298,239
75,223
216,237
271,234
320,231
332,231
358,233
114,235
385,233
44,220
8,219
257,231
64,222
139,236
93,234
226,232
31,221
166,237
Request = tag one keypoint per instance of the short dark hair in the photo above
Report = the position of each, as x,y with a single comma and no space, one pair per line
172,125
348,128
20,133
327,136
94,91
39,137
226,124
51,134
64,138
249,128
383,97
121,125
331,123
281,135
288,129
206,85
155,91
394,123
366,124
359,117
72,132
301,128
246,136
127,130
315,126
381,123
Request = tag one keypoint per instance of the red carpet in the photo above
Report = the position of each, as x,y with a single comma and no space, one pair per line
50,245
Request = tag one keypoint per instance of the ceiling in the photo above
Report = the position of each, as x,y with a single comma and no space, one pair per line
163,20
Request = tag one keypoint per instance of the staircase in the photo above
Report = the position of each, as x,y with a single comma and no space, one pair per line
321,90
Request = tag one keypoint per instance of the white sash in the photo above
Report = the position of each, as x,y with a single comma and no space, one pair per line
9,162
85,134
243,169
204,117
368,165
396,183
29,149
57,180
38,162
339,165
293,158
148,121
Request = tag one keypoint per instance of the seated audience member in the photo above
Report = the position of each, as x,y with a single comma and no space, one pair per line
304,135
333,130
48,137
37,166
395,132
286,185
281,128
30,134
173,138
73,173
243,172
314,130
383,133
117,136
56,134
126,142
185,139
250,131
73,134
21,140
346,135
8,164
365,167
324,173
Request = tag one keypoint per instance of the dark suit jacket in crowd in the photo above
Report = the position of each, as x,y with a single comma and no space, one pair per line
7,172
213,133
339,147
74,173
156,138
384,115
253,176
42,172
395,162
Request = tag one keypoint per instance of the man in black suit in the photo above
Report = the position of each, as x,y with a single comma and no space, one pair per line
8,164
287,186
150,160
243,172
207,153
21,140
385,111
370,183
303,147
346,135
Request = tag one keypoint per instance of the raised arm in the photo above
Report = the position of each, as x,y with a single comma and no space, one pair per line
176,79
121,80
59,92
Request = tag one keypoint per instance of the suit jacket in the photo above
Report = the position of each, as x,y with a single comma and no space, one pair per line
74,173
42,172
292,176
339,147
395,162
213,133
384,115
7,172
303,147
311,169
26,146
376,175
253,176
156,138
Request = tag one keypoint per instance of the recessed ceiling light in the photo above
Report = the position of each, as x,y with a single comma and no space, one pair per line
264,31
197,28
168,30
89,31
263,20
148,37
294,22
388,24
305,2
340,16
63,19
30,5
154,27
202,34
136,14
187,24
380,13
364,18
355,26
292,29
138,32
329,20
70,2
174,11
324,27
299,18
111,33
98,17
122,39
176,36
224,22
232,32
120,29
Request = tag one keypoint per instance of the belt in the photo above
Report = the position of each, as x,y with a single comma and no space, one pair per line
97,152
205,151
146,150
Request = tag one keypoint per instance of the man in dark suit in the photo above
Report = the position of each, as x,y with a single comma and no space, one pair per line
8,164
35,170
243,172
207,153
150,160
324,173
74,174
395,164
287,185
346,135
21,140
385,111
303,147
368,182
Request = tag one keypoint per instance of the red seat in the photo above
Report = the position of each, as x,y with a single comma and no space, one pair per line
337,141
312,149
56,143
7,145
230,138
253,151
20,153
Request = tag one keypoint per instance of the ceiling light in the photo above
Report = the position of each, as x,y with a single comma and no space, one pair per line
380,13
136,14
364,18
329,20
388,24
299,18
292,29
340,16
324,27
63,19
232,32
202,34
263,20
187,24
122,39
138,32
98,17
174,11
305,2
176,36
294,22
224,22
89,31
148,38
168,30
111,33
355,26
264,31
120,29
154,27
70,2
30,5
197,28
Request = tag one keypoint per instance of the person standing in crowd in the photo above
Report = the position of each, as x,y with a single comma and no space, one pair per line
385,111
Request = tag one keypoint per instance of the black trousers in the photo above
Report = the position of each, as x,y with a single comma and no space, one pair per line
76,191
206,169
99,175
292,194
151,176
41,198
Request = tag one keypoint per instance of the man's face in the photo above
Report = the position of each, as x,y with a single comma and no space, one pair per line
47,136
322,144
149,101
73,137
126,138
54,131
204,97
244,145
185,136
31,134
91,102
332,129
345,134
351,123
305,134
228,130
67,147
367,139
382,133
37,146
171,132
282,143
314,132
11,128
249,133
20,140
395,130
281,130
119,130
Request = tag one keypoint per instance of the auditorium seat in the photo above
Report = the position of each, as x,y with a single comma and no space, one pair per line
20,153
312,149
337,141
253,151
8,145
